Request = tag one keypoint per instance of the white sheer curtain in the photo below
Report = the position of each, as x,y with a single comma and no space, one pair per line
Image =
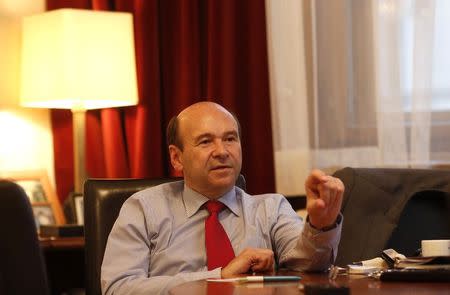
358,83
290,126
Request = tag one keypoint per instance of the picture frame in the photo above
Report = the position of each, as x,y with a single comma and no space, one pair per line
44,201
43,214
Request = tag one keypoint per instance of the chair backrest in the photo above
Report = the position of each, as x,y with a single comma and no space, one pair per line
22,267
103,199
426,216
392,208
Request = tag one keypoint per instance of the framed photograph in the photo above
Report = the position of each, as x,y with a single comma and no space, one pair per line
46,206
34,190
43,215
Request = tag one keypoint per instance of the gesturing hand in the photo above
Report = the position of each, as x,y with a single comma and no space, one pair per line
251,259
323,198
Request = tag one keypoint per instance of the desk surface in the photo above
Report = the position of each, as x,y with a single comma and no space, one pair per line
357,284
61,242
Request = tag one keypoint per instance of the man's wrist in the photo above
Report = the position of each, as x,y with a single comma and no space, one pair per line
223,273
326,228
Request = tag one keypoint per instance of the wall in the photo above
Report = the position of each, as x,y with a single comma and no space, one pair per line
25,134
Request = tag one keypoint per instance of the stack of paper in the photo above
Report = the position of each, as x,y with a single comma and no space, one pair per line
435,262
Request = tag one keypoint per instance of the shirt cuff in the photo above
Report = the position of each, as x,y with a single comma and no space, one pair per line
215,273
329,228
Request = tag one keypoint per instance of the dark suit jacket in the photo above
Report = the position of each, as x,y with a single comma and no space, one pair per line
373,205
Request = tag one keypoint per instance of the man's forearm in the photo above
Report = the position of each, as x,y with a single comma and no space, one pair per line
314,250
132,285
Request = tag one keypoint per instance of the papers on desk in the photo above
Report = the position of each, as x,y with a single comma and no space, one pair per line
361,269
391,259
434,262
232,280
254,279
417,269
401,268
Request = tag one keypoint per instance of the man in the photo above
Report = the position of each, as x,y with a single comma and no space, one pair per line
163,235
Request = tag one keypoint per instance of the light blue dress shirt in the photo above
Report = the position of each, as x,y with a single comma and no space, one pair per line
158,240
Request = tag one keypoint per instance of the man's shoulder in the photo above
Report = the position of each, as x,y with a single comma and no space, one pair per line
152,201
268,205
164,190
260,198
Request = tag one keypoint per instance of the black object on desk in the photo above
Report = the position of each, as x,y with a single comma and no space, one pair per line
66,230
416,275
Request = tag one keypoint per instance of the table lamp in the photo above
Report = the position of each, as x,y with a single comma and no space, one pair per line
79,60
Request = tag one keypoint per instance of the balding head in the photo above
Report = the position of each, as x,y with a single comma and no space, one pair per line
172,132
204,144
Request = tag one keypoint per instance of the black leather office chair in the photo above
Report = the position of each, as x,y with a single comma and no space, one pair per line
22,268
392,208
103,199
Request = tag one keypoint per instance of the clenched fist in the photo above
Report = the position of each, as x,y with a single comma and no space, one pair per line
323,199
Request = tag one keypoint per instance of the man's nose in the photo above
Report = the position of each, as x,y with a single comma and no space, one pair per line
220,149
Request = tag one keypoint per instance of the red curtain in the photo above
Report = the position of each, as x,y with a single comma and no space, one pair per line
186,51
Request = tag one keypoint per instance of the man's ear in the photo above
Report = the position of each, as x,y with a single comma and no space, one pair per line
175,158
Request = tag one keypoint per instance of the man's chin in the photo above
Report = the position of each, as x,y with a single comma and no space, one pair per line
223,179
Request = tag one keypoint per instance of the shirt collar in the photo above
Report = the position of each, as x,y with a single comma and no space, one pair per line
193,201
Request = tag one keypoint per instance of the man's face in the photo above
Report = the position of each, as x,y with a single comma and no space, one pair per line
211,158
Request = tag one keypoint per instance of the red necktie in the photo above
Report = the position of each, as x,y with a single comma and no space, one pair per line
219,251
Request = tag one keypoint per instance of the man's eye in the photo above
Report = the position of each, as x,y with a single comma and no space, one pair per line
204,141
231,138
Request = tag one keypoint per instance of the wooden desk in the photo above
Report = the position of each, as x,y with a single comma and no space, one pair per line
358,285
55,243
64,259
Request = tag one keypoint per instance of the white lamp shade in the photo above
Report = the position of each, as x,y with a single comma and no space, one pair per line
78,59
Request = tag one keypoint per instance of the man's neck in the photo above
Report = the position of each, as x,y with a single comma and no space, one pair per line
213,195
210,194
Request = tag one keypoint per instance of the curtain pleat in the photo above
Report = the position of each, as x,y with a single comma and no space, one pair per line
186,51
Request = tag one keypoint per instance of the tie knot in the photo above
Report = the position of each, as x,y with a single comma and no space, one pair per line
214,206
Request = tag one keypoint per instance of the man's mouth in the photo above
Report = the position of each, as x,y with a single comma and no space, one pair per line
220,167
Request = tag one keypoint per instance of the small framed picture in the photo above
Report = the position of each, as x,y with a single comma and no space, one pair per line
46,206
43,215
34,190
